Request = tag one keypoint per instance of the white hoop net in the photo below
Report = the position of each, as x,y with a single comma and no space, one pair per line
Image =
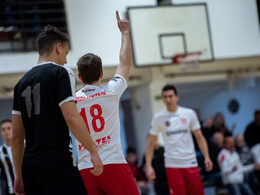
188,62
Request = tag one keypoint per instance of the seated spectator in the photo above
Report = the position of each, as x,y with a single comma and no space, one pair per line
245,155
137,173
6,159
252,132
246,158
208,125
216,146
218,140
200,159
232,170
256,155
205,131
220,126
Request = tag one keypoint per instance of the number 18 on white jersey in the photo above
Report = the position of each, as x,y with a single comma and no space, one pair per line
99,107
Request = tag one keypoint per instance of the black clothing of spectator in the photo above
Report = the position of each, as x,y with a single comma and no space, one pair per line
214,151
245,155
161,184
252,134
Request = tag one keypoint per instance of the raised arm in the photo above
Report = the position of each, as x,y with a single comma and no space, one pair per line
125,55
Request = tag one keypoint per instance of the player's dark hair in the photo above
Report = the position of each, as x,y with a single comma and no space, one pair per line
48,37
170,87
5,121
89,68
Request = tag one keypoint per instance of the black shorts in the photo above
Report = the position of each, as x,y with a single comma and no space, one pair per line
58,179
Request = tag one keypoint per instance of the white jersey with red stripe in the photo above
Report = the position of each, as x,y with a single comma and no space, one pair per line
99,107
176,129
227,160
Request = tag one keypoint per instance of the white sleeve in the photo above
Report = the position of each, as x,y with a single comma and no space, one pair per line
224,163
248,168
155,128
66,84
117,85
256,153
194,125
16,112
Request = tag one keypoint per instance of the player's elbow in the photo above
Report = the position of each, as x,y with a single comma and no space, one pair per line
71,119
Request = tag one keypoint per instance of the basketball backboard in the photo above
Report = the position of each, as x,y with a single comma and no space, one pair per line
161,32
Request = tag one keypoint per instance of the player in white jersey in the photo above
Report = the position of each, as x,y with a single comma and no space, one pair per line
176,124
99,107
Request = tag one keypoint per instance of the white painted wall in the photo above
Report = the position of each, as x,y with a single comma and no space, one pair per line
17,62
92,28
142,115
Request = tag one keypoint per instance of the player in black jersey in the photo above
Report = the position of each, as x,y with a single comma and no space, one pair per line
44,109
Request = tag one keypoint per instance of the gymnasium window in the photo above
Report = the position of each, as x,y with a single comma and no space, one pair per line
21,21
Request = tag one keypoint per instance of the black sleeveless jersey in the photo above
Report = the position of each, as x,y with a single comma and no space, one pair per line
37,98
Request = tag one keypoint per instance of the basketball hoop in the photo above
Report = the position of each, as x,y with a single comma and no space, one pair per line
188,61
